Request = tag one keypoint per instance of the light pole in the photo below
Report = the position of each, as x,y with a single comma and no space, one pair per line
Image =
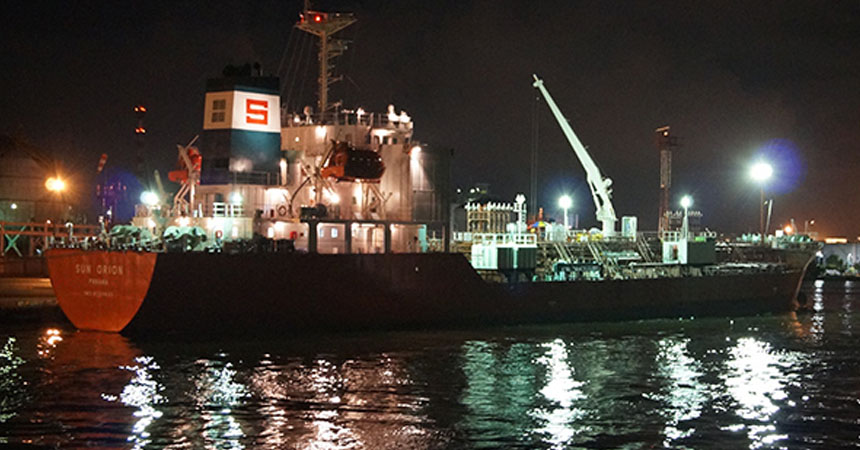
761,172
565,202
686,202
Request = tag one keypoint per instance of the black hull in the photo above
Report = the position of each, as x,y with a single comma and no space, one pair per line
290,293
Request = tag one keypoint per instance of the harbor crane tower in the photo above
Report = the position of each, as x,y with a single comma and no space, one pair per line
665,142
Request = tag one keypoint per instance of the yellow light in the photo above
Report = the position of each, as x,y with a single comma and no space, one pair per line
320,132
55,184
788,229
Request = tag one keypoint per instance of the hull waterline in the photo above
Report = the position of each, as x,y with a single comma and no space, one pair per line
289,293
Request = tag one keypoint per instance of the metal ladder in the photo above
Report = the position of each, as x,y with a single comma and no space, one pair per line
598,252
645,250
563,254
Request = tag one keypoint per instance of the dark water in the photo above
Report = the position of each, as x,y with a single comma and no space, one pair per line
789,381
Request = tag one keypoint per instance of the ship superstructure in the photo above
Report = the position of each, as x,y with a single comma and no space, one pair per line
333,180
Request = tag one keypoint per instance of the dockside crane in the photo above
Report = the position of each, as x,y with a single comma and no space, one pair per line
599,185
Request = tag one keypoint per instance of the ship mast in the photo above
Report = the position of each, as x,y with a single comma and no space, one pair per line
325,25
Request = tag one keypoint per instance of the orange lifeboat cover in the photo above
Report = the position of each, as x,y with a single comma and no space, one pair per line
97,289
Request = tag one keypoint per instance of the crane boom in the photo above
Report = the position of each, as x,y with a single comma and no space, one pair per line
598,184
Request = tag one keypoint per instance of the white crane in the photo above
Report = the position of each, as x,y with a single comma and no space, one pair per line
598,184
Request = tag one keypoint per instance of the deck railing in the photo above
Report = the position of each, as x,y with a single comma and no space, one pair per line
40,235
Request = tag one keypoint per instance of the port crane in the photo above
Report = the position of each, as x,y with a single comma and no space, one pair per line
599,185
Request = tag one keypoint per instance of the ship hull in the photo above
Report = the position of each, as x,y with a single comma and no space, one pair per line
288,293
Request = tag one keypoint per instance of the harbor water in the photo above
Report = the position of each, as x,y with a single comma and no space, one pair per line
785,381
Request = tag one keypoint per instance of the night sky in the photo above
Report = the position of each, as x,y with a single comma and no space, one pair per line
733,79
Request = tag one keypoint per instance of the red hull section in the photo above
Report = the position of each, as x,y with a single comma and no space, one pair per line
290,292
100,290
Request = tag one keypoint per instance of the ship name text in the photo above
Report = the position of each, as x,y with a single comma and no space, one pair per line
99,269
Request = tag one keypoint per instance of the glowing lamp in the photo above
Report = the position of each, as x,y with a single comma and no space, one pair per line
565,202
149,198
236,198
761,171
686,201
55,184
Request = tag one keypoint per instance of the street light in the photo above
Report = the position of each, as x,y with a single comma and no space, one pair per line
565,202
686,203
761,172
149,198
55,184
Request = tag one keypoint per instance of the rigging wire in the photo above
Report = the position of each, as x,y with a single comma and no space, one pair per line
351,63
304,78
298,57
284,57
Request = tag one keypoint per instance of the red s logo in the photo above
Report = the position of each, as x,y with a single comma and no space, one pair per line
257,111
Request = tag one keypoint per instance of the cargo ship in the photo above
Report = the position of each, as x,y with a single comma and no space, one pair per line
339,220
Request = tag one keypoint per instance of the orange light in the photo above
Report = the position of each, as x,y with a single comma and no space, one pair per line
788,229
55,184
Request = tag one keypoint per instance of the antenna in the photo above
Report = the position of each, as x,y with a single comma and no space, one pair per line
324,25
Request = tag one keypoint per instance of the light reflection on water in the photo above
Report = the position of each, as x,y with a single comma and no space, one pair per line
564,394
756,378
683,392
768,382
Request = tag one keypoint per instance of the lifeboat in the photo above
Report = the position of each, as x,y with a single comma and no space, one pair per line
347,163
181,174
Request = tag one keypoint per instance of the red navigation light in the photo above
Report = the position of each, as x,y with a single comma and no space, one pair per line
317,18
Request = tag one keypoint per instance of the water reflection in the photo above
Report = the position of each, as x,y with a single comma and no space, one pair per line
143,393
13,392
84,373
501,386
216,395
48,342
684,394
761,382
756,377
327,403
563,392
816,330
330,430
847,308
